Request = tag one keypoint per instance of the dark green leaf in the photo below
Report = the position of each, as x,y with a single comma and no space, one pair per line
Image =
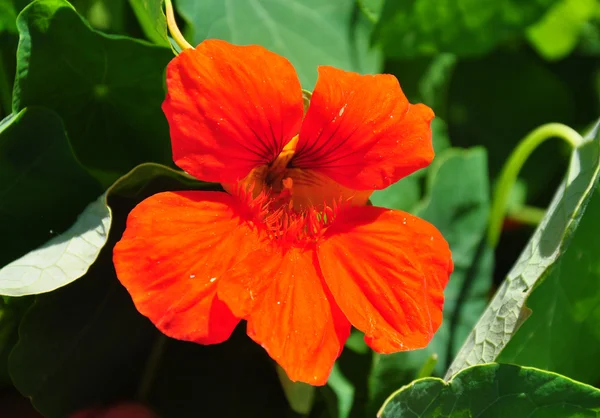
85,343
11,312
458,204
487,107
80,345
542,254
347,388
107,89
425,27
38,174
68,255
307,32
152,20
561,335
233,379
495,390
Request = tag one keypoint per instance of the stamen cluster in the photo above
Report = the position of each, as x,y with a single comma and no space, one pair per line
274,214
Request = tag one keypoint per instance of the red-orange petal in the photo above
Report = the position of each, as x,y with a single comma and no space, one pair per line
289,310
230,109
387,271
174,250
361,131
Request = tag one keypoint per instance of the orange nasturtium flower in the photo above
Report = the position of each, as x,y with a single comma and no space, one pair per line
292,246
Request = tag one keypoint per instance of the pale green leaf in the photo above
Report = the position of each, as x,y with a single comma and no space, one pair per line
307,32
61,260
566,310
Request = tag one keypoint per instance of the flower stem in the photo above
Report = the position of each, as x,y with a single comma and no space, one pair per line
300,396
528,215
152,364
173,28
427,367
511,169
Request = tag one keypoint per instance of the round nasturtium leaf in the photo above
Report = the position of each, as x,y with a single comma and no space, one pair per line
494,390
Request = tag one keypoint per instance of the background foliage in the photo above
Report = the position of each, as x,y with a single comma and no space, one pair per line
83,140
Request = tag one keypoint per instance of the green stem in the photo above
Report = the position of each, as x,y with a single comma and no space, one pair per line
5,88
528,215
511,169
300,396
152,364
173,28
428,366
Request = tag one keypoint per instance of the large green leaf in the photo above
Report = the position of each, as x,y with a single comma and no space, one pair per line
562,333
458,204
80,345
152,20
426,27
11,312
542,254
307,32
68,255
43,189
108,89
495,390
85,343
233,379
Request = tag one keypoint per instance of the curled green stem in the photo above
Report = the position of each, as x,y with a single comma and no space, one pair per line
173,28
511,169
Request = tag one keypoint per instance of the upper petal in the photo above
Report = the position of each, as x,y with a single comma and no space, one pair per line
387,271
289,310
361,131
230,109
174,250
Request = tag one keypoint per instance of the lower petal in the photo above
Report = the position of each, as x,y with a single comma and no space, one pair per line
174,250
289,310
387,271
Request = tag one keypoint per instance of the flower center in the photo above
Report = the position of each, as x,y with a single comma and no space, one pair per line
293,205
